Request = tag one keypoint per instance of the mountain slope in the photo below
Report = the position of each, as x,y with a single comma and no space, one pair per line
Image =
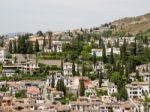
133,25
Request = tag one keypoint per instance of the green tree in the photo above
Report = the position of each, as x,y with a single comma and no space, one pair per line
10,46
29,48
104,54
94,59
73,69
100,75
111,56
39,33
53,81
61,86
14,46
82,87
83,69
138,76
44,42
36,48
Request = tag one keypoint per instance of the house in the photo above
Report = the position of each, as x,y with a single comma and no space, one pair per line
99,65
9,70
14,87
56,95
2,54
3,84
57,76
99,52
112,88
56,46
145,76
33,92
132,106
67,68
137,89
30,66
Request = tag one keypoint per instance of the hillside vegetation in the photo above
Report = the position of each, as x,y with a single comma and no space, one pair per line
132,25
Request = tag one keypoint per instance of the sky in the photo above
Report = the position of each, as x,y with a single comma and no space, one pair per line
60,15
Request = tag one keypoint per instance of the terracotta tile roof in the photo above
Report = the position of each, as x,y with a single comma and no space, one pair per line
33,90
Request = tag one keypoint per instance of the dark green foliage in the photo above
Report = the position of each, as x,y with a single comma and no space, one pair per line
61,86
83,69
111,56
14,46
53,81
21,94
36,48
29,48
39,33
10,46
73,69
107,33
44,42
100,76
82,87
94,59
104,57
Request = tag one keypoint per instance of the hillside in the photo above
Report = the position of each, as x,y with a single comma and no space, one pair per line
132,25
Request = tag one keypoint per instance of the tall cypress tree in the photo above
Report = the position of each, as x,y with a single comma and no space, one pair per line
83,69
49,39
73,69
104,54
62,66
82,87
111,56
10,46
53,81
29,48
14,46
94,59
134,50
36,48
100,76
44,42
61,86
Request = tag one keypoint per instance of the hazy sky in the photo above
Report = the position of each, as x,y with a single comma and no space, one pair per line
57,15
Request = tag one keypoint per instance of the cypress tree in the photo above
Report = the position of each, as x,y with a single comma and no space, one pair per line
58,86
10,46
61,86
14,46
111,56
44,43
100,75
94,59
36,48
104,54
49,39
82,87
62,66
83,69
138,75
134,50
73,69
29,48
53,81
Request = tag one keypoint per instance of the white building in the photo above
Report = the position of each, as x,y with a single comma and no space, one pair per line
2,55
56,46
30,66
112,88
99,52
137,89
67,67
145,76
